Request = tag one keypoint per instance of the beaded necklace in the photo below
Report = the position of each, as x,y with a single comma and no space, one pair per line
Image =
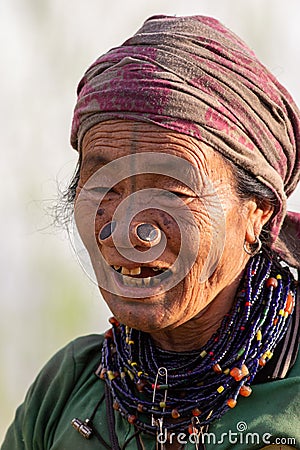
182,392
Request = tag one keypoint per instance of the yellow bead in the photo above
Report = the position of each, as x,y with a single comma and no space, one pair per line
110,375
162,404
259,335
220,389
203,354
226,371
281,312
268,354
130,374
279,277
140,373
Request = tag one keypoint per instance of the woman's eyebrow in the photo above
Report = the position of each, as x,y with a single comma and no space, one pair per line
95,158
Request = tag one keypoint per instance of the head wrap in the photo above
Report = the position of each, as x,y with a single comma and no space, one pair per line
193,75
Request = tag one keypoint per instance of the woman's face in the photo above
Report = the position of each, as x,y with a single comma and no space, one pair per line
134,173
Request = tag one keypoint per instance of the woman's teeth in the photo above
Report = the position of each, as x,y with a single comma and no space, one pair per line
125,271
140,282
128,276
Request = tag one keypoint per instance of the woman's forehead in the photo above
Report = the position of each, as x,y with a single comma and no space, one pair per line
114,139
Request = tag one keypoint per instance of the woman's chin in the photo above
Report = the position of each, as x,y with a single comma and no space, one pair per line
148,314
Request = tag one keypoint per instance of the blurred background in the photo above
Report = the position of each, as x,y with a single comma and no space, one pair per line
46,45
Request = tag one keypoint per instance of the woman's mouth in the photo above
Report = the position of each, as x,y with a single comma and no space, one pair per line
141,276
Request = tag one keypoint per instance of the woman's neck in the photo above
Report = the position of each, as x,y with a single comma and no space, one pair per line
193,334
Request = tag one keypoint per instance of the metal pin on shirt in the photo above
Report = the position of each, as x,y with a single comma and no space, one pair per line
82,427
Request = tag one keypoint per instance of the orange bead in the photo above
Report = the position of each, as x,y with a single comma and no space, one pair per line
262,362
236,373
131,419
244,370
116,405
196,412
102,373
140,385
289,303
140,407
245,391
217,368
175,413
231,402
272,282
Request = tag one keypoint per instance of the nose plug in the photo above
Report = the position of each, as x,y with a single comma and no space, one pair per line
145,232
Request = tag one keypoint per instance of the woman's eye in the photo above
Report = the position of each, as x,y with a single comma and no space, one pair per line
101,190
178,194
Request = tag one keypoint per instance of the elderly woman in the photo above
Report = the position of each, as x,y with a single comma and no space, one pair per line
188,148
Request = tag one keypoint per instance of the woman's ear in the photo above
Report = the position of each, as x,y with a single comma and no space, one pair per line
258,216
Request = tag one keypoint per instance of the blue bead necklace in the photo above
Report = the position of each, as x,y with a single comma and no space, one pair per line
154,388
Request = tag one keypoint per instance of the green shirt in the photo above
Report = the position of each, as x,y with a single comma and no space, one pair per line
67,387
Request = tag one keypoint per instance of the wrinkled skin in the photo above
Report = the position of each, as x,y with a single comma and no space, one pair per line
185,316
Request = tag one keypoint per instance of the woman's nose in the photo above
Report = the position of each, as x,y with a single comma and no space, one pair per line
137,234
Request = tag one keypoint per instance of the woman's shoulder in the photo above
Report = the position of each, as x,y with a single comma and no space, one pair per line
69,362
66,373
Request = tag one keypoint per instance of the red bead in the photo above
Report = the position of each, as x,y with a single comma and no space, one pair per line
231,402
275,321
217,368
108,334
131,419
175,413
242,328
236,373
114,321
248,304
272,282
192,429
196,412
245,391
140,385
